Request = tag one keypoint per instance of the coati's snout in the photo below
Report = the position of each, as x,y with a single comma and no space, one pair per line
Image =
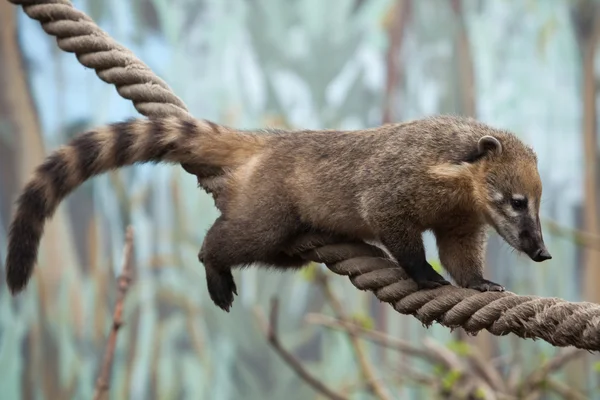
532,243
517,221
541,255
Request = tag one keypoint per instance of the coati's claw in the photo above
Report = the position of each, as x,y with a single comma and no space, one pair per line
483,285
221,288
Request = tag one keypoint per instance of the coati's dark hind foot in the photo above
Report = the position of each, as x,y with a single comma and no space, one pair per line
432,284
220,283
221,288
428,278
483,285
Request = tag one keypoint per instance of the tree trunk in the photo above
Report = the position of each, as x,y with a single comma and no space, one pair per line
396,21
464,59
586,25
17,161
467,107
591,257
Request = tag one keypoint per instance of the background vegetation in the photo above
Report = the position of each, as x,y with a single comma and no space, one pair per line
528,66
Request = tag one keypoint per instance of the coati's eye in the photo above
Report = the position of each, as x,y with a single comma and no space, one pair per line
518,203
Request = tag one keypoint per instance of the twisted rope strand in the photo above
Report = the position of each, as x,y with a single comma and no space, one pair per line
554,320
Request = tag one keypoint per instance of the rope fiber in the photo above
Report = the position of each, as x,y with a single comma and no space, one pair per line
559,322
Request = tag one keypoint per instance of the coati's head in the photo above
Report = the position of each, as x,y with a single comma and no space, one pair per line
508,188
498,176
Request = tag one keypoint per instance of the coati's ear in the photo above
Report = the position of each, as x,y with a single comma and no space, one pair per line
489,145
486,146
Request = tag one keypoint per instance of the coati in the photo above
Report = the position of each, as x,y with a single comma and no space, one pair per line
450,175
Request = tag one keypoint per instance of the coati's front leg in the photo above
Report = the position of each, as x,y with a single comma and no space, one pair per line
462,254
407,248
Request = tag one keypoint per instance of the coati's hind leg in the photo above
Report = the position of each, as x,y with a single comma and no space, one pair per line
462,254
236,243
219,281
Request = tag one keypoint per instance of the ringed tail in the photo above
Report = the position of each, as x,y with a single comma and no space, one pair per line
170,139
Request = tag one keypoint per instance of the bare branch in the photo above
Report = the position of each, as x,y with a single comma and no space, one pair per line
450,360
485,369
124,281
270,330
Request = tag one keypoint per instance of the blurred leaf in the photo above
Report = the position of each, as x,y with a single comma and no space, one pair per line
363,320
450,379
479,393
309,272
547,31
460,347
437,266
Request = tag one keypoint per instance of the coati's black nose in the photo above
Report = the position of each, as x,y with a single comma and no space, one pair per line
541,255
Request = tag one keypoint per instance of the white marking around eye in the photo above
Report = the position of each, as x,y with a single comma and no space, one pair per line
506,229
510,211
532,211
518,196
497,196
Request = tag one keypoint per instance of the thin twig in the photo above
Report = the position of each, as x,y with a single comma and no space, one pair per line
374,336
270,330
398,376
579,237
124,280
431,353
540,375
564,391
366,367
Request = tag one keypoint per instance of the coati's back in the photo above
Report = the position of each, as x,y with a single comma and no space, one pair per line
335,179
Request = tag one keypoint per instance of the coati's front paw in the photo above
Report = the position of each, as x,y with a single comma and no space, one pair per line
221,288
483,285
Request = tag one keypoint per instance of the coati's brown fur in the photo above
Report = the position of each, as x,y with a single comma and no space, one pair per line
450,175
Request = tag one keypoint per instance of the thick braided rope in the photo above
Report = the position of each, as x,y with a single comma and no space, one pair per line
559,322
554,320
77,33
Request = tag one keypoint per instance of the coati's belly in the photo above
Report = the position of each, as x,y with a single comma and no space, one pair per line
337,221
